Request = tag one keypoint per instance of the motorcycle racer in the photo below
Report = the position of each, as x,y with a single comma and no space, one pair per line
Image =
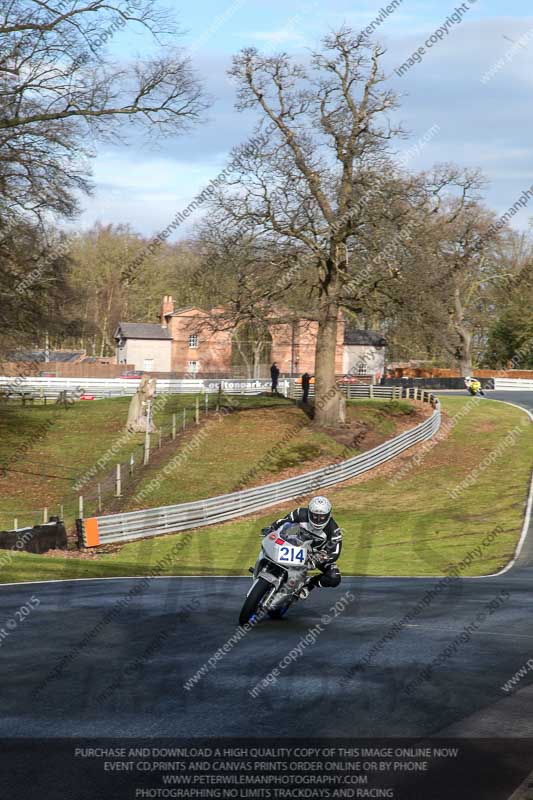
324,535
473,385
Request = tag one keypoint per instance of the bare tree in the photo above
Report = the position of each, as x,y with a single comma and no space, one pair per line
60,91
319,175
463,241
320,125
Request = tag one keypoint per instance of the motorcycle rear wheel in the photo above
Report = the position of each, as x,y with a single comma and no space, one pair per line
253,600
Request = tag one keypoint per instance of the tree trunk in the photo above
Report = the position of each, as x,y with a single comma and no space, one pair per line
464,349
465,356
330,405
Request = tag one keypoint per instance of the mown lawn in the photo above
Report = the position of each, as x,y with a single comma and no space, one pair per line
47,448
235,451
414,527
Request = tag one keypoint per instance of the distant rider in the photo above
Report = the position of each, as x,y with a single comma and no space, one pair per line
325,538
473,386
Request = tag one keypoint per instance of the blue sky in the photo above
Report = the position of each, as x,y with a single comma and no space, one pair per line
487,125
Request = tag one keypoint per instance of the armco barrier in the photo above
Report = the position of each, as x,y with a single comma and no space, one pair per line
169,519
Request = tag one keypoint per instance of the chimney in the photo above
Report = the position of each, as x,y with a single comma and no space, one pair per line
167,308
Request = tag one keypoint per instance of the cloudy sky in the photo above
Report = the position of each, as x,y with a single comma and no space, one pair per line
472,89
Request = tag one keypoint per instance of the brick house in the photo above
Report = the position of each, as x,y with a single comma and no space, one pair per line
203,344
193,341
199,345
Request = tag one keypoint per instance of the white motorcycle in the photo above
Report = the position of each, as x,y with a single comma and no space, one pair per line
279,575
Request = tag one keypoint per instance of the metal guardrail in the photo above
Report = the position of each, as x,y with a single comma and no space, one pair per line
170,519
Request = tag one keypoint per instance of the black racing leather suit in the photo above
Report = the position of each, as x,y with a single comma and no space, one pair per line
327,541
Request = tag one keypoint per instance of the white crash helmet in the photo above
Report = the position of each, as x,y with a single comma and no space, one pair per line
319,512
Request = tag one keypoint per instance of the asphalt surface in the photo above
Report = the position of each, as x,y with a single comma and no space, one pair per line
67,669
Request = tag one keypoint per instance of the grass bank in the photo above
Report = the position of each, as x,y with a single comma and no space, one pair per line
46,449
467,490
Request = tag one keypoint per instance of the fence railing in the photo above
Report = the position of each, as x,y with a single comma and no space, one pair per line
169,519
516,384
51,388
355,390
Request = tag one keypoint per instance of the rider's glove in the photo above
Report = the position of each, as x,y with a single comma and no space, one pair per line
321,556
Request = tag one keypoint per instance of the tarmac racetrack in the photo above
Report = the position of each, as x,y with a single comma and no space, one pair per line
128,676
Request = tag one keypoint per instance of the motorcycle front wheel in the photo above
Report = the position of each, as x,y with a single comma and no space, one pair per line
252,602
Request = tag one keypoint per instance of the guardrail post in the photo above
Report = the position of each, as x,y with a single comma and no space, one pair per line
80,506
197,410
132,464
45,515
159,438
118,483
173,427
371,393
15,524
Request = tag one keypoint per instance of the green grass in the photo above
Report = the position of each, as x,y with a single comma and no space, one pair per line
236,451
411,528
48,447
381,415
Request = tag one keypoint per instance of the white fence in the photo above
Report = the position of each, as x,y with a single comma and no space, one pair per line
169,519
50,388
513,384
125,387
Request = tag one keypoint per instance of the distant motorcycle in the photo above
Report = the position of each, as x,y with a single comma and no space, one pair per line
279,575
474,388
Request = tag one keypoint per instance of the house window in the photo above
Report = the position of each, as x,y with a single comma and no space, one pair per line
193,340
193,366
361,368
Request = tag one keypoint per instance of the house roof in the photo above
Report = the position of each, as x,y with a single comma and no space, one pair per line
359,336
178,311
141,330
